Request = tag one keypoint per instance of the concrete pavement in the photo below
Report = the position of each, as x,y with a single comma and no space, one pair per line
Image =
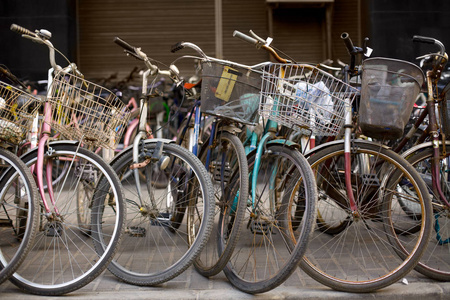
191,285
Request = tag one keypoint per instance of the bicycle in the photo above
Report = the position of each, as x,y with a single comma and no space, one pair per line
430,158
18,192
70,251
262,214
168,197
358,196
211,131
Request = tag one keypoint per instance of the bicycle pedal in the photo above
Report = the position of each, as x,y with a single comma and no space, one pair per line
162,220
136,231
370,179
258,227
53,229
6,223
217,171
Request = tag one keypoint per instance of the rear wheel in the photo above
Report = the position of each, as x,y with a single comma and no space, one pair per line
435,262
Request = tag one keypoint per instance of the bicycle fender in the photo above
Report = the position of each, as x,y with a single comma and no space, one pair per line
420,147
321,146
147,141
280,142
231,129
284,142
32,151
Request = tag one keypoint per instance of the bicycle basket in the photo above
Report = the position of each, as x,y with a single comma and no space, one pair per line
84,111
388,91
230,92
305,97
17,110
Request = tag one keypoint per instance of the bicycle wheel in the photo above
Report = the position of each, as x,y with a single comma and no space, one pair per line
435,263
368,249
228,170
264,256
63,257
166,228
18,212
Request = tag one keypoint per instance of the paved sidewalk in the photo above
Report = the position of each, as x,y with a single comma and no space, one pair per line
191,285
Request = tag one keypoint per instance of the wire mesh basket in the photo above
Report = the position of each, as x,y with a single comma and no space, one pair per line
84,111
230,92
305,97
389,88
17,110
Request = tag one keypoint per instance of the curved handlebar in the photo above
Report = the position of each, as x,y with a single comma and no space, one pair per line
12,77
245,37
21,30
42,36
124,44
260,44
429,40
348,42
173,72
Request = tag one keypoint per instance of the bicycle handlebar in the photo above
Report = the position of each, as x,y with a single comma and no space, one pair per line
43,37
124,44
173,71
260,43
12,77
245,38
181,45
429,40
21,30
348,42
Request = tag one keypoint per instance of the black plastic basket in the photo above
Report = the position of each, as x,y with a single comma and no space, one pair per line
388,92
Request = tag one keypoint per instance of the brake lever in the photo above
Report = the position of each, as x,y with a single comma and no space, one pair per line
265,42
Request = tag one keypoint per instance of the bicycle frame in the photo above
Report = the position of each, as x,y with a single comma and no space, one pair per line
432,132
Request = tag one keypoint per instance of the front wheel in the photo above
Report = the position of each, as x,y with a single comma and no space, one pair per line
19,206
378,244
268,251
64,256
228,170
166,226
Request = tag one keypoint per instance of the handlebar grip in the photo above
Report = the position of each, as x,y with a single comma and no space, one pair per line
178,46
245,37
124,44
20,30
348,42
424,39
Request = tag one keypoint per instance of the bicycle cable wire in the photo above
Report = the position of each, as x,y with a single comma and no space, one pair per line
177,112
284,54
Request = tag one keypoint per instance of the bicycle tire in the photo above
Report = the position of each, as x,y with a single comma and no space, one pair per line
18,213
434,263
369,253
264,257
157,245
228,169
64,257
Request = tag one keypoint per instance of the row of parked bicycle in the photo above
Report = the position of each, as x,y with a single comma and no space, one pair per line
276,166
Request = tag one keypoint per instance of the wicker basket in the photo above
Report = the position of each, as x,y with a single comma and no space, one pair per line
17,110
388,91
305,97
87,112
230,92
